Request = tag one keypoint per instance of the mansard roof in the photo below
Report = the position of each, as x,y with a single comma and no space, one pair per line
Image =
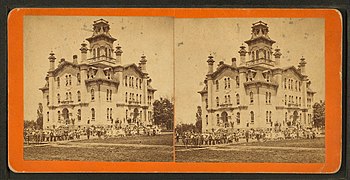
221,68
295,70
135,67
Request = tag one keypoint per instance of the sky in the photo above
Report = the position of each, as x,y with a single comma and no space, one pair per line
196,38
152,36
176,49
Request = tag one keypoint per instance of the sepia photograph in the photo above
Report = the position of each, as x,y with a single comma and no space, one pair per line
98,88
250,90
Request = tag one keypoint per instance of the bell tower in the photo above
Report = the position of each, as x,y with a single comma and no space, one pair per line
101,43
260,45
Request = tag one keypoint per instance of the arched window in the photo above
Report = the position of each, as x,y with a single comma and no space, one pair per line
266,97
140,84
137,83
251,97
269,97
217,101
217,119
92,94
225,83
270,117
286,117
264,54
79,96
130,81
296,100
107,114
58,116
237,81
217,84
98,52
126,114
299,101
225,99
58,98
70,80
229,99
140,98
251,117
291,84
92,114
126,81
110,95
267,116
48,118
94,53
206,102
238,118
285,83
47,100
257,54
299,86
285,99
228,83
126,97
106,51
67,96
79,115
58,82
78,78
253,55
107,95
237,99
206,119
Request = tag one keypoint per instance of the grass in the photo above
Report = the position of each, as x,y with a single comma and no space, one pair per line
101,153
243,153
111,153
282,156
306,143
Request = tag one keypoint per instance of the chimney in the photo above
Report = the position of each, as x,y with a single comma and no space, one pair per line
277,55
142,63
302,64
210,64
242,52
83,50
118,53
234,64
52,61
75,59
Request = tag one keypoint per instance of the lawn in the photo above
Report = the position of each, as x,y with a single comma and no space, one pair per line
251,152
305,143
286,156
133,149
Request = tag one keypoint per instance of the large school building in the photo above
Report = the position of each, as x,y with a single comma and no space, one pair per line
96,88
256,91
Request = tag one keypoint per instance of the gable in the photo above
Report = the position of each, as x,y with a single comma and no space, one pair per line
132,70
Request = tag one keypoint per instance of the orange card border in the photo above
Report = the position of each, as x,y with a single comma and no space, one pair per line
333,59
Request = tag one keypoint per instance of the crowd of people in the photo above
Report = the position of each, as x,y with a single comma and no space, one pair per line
225,136
64,133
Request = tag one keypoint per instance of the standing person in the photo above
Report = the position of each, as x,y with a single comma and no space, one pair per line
88,133
247,135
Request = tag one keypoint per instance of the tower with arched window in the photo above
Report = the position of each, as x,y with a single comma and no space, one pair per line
267,95
97,89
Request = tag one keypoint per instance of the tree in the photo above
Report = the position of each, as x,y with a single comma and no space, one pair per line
39,120
163,113
181,128
29,124
319,114
199,119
